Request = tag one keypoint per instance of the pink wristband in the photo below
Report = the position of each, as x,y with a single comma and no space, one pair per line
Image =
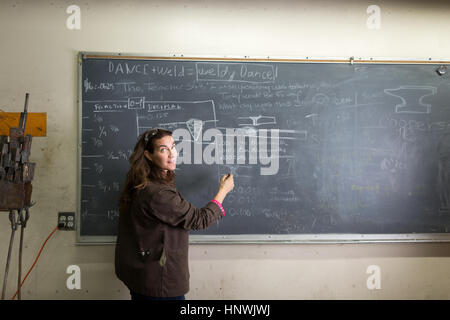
220,206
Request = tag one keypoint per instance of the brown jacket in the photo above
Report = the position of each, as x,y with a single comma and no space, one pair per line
151,255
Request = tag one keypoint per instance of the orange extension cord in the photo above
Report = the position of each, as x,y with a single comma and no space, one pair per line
35,260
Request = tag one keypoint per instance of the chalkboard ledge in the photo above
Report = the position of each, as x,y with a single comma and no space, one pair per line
293,239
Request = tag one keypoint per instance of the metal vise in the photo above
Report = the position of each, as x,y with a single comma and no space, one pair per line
16,173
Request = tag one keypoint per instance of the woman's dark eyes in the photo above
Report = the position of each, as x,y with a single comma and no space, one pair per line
163,149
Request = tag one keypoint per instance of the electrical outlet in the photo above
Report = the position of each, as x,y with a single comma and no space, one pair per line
66,221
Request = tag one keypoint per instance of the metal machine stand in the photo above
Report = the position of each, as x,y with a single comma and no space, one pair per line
16,174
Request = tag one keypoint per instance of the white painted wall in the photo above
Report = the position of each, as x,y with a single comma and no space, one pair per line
38,55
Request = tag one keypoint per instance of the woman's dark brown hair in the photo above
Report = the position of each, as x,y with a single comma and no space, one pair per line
142,170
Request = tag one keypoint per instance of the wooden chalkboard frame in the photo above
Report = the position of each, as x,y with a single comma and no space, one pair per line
258,238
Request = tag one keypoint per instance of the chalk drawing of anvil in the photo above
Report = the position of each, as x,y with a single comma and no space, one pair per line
412,97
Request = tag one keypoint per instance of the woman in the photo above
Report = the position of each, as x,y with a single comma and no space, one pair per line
151,255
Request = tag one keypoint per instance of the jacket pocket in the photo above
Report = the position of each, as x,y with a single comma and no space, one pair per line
152,254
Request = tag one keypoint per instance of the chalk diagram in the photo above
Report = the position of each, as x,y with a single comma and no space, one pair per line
256,121
249,128
412,98
203,116
171,115
412,103
405,144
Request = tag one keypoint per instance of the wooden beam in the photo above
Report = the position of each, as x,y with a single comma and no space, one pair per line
36,123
